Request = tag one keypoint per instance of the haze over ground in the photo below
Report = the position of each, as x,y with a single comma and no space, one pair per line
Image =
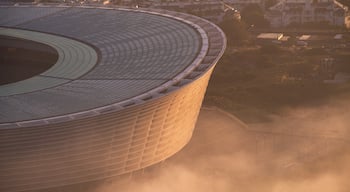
305,151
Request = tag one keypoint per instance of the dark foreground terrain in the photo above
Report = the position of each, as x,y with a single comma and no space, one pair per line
257,82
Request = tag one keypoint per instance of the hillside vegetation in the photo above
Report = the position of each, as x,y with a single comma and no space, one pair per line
256,82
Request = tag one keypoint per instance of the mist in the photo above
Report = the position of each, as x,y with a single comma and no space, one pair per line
302,150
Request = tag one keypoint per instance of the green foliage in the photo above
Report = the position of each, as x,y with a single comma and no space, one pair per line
248,81
265,62
300,68
253,15
270,49
315,51
343,67
270,3
343,64
314,25
235,31
345,2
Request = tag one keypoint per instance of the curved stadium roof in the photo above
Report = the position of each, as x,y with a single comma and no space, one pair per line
106,57
123,96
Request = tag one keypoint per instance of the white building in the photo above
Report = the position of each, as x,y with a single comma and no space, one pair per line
240,4
288,12
212,10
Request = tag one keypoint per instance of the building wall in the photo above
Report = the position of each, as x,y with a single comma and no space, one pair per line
307,11
210,10
111,143
103,146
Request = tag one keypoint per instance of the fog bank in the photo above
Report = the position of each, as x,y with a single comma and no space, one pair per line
303,150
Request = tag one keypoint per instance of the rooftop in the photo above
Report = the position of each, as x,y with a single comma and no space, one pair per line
123,55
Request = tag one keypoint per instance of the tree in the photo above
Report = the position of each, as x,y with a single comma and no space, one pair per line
253,15
345,2
270,49
300,69
270,3
235,30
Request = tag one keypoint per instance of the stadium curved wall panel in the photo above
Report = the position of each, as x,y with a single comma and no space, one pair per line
138,118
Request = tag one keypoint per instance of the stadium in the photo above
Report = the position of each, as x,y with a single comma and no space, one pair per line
123,95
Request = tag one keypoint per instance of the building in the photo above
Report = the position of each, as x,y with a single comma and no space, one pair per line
240,4
289,12
123,96
212,10
268,38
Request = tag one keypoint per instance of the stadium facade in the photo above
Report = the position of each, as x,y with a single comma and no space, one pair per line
123,95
